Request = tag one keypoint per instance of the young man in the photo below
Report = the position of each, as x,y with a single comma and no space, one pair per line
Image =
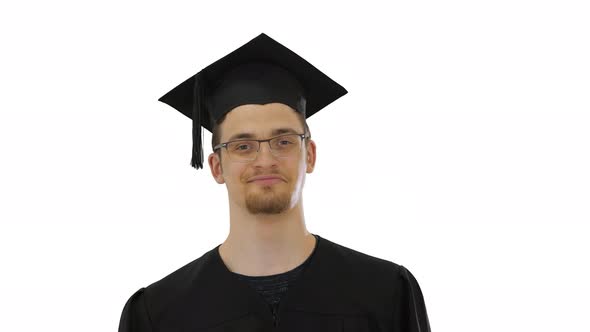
271,273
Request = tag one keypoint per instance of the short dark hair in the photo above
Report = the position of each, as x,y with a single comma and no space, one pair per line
217,130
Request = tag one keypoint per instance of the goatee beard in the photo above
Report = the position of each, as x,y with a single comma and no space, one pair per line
267,202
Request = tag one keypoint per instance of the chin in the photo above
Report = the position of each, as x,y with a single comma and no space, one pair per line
269,201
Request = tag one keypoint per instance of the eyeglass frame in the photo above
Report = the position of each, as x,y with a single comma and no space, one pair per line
260,141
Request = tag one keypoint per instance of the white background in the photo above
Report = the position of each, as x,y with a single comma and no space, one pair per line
461,151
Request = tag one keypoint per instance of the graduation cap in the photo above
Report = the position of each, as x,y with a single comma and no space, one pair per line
259,72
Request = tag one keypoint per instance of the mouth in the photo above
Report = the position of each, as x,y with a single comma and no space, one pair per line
267,181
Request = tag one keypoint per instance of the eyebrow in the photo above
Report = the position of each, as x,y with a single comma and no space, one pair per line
275,132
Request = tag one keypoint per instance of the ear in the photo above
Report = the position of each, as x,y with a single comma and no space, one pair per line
216,169
310,154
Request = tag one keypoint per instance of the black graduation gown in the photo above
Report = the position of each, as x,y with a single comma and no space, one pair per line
340,290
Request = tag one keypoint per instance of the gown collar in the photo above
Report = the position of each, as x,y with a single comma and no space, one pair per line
321,288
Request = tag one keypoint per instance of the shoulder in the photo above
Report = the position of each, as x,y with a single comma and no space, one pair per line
359,261
380,286
175,285
375,275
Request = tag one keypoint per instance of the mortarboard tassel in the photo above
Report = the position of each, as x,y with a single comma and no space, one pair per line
198,107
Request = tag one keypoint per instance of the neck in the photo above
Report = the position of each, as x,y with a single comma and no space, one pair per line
259,245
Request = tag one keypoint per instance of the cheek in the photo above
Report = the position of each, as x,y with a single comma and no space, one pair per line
235,173
296,168
302,162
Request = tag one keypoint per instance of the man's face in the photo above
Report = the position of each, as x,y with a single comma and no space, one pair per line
257,197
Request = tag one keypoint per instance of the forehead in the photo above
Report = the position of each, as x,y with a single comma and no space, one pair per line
259,121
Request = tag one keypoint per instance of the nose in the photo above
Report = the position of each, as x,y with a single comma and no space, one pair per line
264,156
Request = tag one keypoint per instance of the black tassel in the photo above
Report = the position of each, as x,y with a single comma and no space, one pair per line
198,107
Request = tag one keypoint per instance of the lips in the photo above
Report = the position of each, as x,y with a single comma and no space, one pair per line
264,177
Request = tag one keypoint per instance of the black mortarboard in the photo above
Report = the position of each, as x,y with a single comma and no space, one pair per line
259,72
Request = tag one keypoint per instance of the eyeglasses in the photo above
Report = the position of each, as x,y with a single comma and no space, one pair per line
247,150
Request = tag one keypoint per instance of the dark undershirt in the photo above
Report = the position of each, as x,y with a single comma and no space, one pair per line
273,287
